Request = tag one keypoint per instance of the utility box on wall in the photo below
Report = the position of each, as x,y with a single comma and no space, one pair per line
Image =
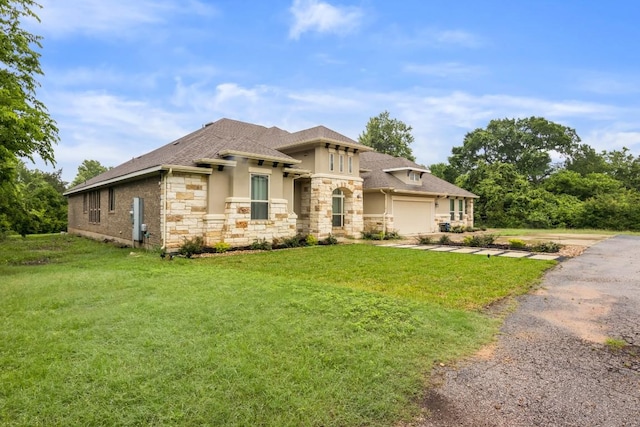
137,218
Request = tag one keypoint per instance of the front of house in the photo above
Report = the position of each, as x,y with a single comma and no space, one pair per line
237,182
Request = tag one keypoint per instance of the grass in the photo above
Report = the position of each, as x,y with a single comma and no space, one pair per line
533,231
91,334
615,344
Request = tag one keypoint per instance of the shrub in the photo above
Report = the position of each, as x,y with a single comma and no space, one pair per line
311,240
372,235
221,247
444,239
261,245
294,242
457,229
481,241
329,240
392,235
425,240
194,245
470,229
517,244
550,247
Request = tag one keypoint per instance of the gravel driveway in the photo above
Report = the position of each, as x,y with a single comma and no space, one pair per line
551,365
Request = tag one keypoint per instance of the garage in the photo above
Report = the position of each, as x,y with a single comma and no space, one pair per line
412,215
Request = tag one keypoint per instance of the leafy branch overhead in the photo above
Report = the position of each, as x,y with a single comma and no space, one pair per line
389,136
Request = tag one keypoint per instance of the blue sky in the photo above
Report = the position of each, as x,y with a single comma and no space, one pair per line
123,77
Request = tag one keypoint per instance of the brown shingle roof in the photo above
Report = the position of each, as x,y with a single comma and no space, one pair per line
207,142
375,177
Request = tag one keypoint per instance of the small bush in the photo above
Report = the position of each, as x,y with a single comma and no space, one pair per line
261,245
425,240
479,241
221,247
470,229
392,235
549,247
192,246
372,235
458,229
517,244
329,240
444,239
311,240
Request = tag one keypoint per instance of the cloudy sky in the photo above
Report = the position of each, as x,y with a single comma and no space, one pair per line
123,77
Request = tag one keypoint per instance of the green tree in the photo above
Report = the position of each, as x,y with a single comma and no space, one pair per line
87,170
387,135
585,160
526,144
444,171
26,129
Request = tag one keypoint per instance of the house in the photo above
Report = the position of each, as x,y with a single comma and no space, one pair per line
237,182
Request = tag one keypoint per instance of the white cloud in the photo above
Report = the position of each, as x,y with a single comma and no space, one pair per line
322,17
112,18
401,37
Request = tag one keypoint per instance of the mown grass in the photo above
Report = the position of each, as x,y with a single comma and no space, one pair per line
535,231
328,336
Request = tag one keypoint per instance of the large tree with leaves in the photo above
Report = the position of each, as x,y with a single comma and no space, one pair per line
387,135
26,129
527,144
87,170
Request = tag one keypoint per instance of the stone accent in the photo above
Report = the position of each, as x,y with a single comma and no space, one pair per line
185,202
318,204
378,222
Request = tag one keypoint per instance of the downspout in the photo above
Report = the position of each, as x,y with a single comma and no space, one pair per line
164,210
384,215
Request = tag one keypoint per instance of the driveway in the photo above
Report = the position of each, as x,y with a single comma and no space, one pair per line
568,356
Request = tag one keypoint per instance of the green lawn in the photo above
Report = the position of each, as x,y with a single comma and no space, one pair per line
323,336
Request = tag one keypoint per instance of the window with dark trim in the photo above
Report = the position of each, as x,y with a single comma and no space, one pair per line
84,203
452,209
259,197
331,157
94,207
112,199
461,208
341,159
350,164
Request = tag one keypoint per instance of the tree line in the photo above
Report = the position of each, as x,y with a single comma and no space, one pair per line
533,173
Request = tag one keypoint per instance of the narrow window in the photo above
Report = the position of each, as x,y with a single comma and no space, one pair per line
259,197
461,208
337,217
331,161
350,164
341,163
84,203
452,209
94,207
112,200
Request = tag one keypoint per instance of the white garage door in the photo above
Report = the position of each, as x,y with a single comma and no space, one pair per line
412,216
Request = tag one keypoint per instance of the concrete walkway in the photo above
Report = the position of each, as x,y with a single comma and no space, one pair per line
477,251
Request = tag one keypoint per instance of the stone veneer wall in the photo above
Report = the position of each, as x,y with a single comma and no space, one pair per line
185,202
320,205
378,222
237,228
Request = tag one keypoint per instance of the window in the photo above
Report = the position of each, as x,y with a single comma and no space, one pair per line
350,164
341,163
452,209
337,207
94,207
259,197
112,200
461,208
414,176
84,203
331,161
